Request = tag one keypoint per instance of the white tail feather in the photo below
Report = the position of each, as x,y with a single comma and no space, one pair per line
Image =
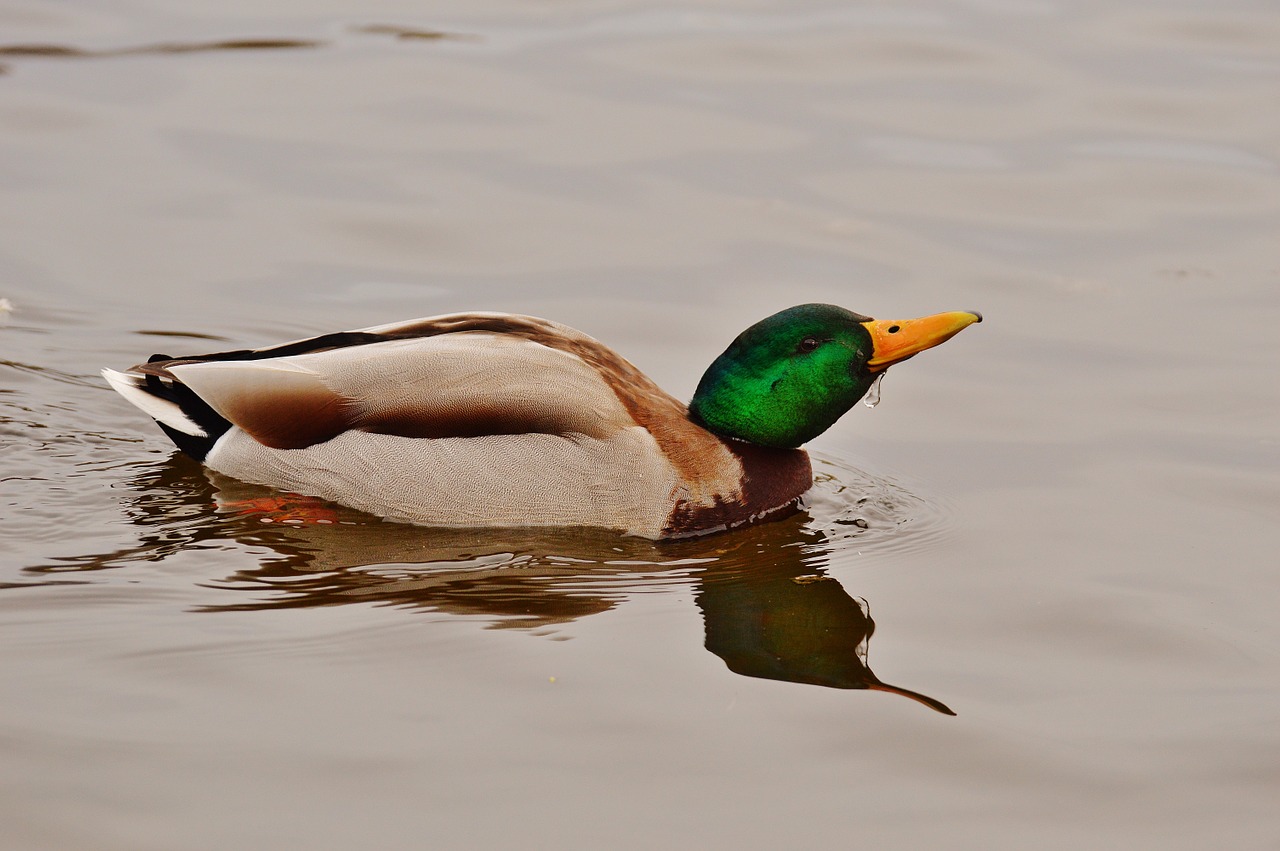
131,387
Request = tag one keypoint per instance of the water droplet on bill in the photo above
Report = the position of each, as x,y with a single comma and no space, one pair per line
873,393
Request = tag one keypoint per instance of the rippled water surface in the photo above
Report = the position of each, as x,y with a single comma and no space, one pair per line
1061,526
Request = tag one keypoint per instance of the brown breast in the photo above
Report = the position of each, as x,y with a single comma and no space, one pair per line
773,480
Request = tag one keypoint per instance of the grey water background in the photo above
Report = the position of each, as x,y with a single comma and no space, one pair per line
1064,522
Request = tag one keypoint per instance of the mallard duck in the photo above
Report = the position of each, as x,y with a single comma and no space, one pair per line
486,419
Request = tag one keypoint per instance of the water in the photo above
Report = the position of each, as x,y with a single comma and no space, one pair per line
873,392
1061,526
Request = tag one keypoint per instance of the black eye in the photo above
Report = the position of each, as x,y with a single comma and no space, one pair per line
894,329
808,344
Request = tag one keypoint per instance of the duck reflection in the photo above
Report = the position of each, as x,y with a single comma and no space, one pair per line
773,623
769,609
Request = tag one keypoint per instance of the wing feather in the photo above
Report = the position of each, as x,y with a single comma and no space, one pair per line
463,384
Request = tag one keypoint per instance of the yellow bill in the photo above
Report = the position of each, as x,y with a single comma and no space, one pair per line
897,340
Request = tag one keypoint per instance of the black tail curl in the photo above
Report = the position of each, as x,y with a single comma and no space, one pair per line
196,409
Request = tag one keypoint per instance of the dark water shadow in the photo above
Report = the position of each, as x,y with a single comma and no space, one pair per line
411,33
62,51
769,608
177,48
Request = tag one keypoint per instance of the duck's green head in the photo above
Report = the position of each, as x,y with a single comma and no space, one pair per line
788,378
